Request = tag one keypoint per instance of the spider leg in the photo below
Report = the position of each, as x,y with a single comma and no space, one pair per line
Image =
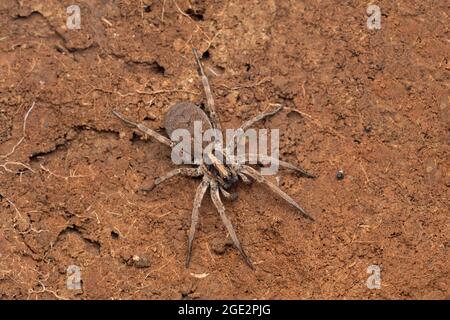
260,117
144,129
215,197
258,177
199,194
219,165
187,172
244,178
230,196
207,88
264,158
252,121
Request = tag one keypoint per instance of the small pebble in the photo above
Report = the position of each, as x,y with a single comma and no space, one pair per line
140,262
220,246
340,175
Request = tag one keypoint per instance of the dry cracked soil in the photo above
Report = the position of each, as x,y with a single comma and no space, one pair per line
373,103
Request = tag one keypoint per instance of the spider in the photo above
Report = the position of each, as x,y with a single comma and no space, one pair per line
218,176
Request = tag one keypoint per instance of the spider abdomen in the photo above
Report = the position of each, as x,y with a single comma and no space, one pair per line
182,115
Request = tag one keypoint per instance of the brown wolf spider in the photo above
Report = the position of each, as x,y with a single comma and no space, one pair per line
218,176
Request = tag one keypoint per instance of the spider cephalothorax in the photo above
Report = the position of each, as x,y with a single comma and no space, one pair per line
218,174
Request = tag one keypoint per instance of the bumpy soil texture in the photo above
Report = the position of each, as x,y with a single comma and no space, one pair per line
373,103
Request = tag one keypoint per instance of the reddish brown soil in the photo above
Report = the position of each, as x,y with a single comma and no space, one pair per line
372,103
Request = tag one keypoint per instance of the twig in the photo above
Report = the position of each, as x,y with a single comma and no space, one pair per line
23,133
199,275
365,173
251,85
34,230
15,209
181,11
209,251
5,271
155,92
316,122
190,18
162,11
107,21
44,289
165,91
71,174
142,10
109,92
4,166
212,40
